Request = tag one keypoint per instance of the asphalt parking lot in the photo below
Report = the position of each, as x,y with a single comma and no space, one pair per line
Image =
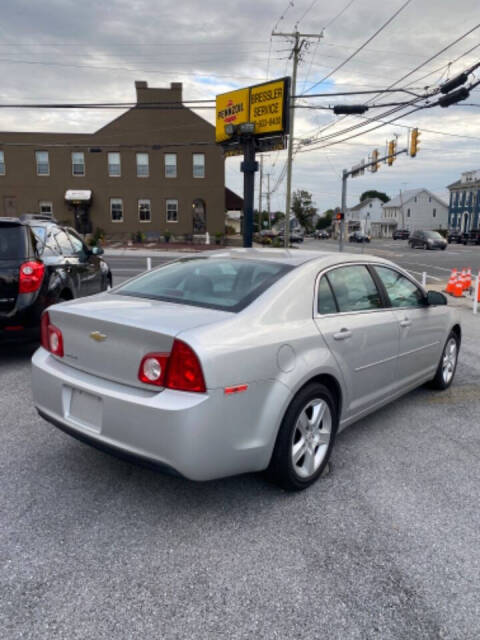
386,546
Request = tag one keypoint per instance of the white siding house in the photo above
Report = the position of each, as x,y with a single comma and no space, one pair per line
414,209
362,215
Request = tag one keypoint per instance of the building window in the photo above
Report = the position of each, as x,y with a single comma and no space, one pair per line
170,165
116,209
2,163
144,211
143,169
408,213
114,167
415,199
429,198
199,165
46,208
43,167
78,163
434,213
172,210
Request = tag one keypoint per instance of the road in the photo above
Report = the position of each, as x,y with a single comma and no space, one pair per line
437,264
386,546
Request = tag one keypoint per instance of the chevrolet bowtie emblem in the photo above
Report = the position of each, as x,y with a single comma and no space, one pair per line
99,337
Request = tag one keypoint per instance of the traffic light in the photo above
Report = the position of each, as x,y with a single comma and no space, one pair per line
414,140
374,160
392,147
339,216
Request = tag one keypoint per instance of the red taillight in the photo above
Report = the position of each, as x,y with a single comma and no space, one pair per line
180,370
31,276
51,336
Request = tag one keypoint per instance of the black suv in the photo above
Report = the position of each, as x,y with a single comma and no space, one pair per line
454,235
401,234
42,263
427,240
471,237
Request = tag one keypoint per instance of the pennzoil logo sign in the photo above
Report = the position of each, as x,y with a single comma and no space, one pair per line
266,105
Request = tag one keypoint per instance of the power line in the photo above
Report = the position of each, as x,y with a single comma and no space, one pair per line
337,68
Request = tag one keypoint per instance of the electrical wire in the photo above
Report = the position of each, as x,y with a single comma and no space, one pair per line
342,64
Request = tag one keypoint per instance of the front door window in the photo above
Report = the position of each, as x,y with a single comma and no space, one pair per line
199,217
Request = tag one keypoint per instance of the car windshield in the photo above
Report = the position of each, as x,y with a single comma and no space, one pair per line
434,235
223,284
12,241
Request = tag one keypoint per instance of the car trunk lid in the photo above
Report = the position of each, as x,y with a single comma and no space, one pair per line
13,251
108,335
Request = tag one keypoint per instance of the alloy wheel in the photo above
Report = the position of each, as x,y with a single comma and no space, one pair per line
311,437
449,361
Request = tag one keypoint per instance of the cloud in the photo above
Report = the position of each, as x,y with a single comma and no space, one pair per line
63,50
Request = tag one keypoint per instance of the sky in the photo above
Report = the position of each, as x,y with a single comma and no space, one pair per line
70,51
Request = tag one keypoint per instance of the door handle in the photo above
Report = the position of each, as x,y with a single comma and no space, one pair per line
405,322
343,334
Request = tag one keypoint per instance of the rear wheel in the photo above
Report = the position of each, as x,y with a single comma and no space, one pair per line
447,365
305,439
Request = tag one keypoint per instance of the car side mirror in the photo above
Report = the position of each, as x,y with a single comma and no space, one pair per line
435,298
97,251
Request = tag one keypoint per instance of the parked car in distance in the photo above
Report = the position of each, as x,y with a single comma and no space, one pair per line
268,233
242,361
471,237
454,235
296,235
42,263
401,234
322,234
427,240
358,236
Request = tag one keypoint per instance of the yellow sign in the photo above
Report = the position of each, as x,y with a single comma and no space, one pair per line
232,108
266,107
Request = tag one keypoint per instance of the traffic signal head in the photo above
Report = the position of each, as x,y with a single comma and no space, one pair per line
414,140
340,216
374,160
391,152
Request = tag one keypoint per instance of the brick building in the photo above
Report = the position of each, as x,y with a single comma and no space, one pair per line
151,170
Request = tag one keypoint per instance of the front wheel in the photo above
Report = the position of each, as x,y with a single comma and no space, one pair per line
305,439
447,365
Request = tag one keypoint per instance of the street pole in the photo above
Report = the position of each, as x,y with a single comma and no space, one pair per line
260,213
344,206
268,202
295,54
248,167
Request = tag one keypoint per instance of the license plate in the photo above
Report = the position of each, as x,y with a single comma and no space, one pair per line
86,409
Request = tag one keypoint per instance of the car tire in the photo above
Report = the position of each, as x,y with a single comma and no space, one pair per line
447,365
305,439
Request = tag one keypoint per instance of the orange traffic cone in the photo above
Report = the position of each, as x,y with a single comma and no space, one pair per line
478,287
458,289
463,278
468,277
451,283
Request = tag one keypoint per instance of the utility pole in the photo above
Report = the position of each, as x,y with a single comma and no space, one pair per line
268,202
344,206
300,41
260,213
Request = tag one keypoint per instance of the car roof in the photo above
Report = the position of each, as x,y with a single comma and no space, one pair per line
296,257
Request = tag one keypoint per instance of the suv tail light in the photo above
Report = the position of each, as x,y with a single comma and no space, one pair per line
180,369
31,276
51,336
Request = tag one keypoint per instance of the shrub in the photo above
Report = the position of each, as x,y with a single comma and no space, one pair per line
229,230
218,237
167,235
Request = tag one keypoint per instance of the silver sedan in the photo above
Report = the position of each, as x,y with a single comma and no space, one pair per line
242,361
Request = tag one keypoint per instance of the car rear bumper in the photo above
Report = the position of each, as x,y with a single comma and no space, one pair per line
199,436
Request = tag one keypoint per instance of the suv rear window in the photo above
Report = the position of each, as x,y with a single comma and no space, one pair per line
223,284
13,242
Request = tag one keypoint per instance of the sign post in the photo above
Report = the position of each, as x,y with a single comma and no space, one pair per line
250,120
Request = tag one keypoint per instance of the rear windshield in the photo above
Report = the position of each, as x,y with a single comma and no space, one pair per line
223,284
13,242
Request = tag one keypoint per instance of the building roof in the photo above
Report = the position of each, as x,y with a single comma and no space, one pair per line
474,184
408,195
362,204
233,202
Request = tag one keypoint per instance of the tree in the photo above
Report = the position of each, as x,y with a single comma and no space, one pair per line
303,208
325,220
278,216
374,194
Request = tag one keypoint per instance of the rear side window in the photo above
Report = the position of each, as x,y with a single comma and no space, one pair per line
64,243
223,284
354,289
326,301
13,242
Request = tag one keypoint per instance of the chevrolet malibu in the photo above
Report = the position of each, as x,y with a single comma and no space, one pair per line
242,361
